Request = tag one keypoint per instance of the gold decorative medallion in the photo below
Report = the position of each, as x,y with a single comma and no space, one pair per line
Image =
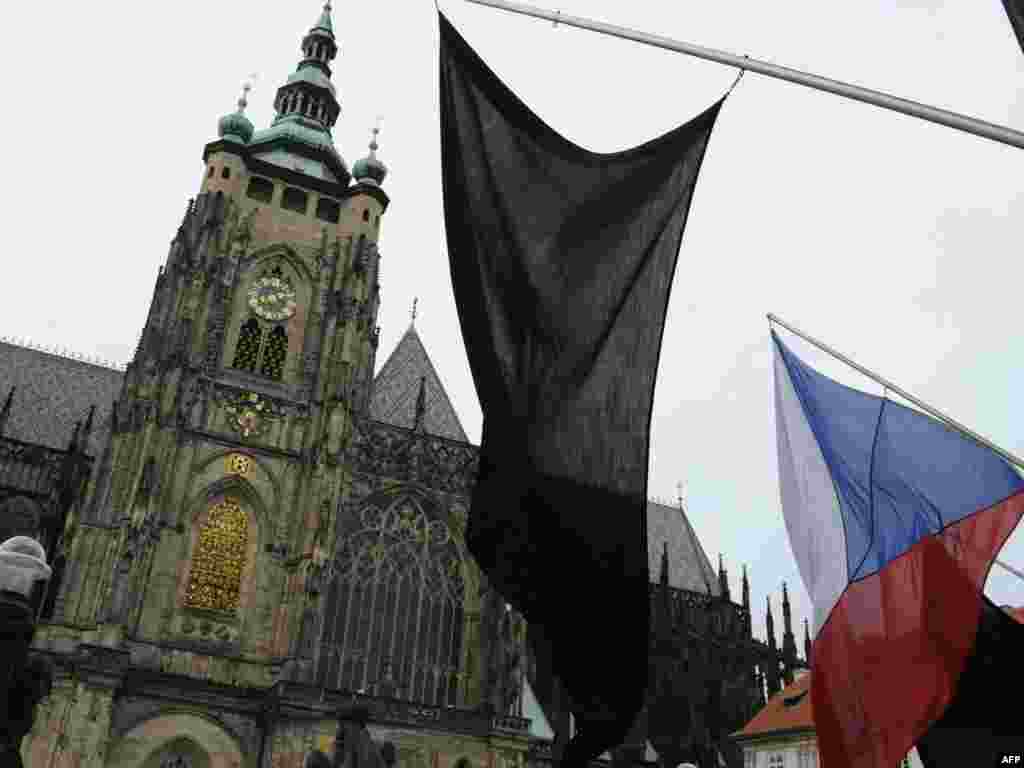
238,464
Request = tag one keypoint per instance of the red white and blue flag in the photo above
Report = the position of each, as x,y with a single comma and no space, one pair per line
895,520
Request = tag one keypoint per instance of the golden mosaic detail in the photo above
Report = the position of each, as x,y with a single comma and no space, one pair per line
238,464
216,577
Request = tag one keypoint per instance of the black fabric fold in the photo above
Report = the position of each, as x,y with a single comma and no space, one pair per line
1015,10
982,723
561,262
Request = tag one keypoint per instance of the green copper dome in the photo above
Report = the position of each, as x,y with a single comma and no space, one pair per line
370,170
237,125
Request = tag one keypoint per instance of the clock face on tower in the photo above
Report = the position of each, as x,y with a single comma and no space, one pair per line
272,298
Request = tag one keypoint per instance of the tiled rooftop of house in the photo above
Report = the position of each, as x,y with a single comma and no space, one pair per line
788,710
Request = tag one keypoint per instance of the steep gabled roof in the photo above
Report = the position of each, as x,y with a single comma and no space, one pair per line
396,389
688,565
787,711
52,393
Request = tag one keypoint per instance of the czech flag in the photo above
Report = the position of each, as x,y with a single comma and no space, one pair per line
894,519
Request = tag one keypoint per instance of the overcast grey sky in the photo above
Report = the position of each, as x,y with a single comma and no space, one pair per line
897,241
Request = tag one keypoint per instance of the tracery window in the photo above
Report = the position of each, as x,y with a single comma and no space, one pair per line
219,557
395,607
247,351
274,353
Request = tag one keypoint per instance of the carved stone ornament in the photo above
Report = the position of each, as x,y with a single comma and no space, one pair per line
250,415
382,450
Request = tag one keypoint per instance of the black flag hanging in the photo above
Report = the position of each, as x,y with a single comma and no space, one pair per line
1015,10
561,262
978,728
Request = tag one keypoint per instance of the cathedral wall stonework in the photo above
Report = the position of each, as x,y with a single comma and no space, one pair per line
143,745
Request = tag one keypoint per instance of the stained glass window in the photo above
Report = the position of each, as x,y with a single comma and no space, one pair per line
218,559
274,353
247,352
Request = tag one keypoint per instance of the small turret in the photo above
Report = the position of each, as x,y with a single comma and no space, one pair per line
421,405
5,412
663,575
772,675
723,580
236,126
746,600
370,170
788,639
807,643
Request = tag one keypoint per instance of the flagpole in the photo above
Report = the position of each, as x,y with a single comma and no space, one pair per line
902,393
971,125
922,405
1011,569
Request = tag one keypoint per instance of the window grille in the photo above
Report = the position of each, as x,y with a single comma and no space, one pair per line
274,353
247,351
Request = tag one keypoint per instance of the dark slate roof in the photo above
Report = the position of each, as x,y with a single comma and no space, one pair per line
53,392
396,389
688,565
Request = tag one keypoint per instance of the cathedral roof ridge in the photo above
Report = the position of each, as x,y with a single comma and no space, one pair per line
689,566
396,389
54,389
64,353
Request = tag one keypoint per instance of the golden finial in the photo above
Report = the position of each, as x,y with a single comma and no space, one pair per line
414,302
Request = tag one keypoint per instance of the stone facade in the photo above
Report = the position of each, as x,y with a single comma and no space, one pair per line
249,532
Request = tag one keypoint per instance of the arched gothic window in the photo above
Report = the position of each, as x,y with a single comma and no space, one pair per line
275,353
247,351
395,607
218,559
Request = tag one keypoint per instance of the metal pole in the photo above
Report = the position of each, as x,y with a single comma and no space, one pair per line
923,406
964,123
1011,569
902,393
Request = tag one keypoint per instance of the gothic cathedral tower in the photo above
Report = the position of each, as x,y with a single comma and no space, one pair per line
267,530
222,477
